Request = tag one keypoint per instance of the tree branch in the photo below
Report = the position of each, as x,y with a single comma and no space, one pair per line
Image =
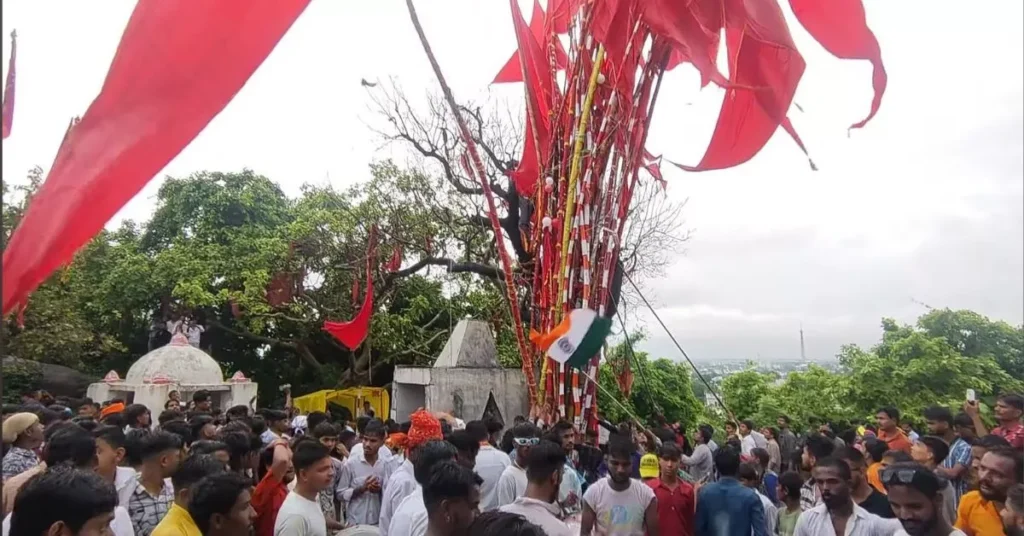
453,267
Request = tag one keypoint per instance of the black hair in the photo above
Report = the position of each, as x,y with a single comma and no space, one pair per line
791,483
1013,399
477,430
898,456
748,423
621,447
392,426
448,480
361,423
215,494
543,460
1014,455
197,423
237,425
86,423
239,411
201,395
346,435
727,461
180,429
991,441
325,429
498,523
964,420
527,430
494,425
430,454
206,447
463,441
849,454
169,415
876,448
938,447
774,431
81,495
133,441
405,427
133,412
314,419
923,479
892,412
1015,499
762,456
307,453
748,471
706,432
837,464
819,446
157,443
54,428
561,426
196,467
71,445
375,428
938,414
669,451
259,424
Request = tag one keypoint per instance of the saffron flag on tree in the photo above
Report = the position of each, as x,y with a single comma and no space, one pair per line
177,66
8,105
354,332
578,338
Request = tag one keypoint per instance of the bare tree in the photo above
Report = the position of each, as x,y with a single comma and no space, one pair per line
655,229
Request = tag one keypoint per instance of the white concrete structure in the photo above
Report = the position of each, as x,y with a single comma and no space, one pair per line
180,367
466,380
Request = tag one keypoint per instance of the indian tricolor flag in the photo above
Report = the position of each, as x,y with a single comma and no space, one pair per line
577,339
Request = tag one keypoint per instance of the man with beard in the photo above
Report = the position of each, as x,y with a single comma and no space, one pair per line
619,505
978,451
1000,470
451,498
544,471
1013,512
816,447
863,494
915,495
838,515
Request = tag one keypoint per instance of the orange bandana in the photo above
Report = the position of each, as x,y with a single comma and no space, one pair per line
424,427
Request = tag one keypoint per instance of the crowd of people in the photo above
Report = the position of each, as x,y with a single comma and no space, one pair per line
79,467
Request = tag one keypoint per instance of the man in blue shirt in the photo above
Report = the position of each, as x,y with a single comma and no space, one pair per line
726,507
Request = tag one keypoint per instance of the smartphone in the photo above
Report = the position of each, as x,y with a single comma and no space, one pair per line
970,395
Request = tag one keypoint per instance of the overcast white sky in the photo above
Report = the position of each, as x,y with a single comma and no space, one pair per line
925,203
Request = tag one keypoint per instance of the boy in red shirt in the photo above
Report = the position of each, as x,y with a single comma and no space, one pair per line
270,493
676,498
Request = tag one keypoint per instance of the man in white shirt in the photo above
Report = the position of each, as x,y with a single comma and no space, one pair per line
915,495
750,476
747,441
300,514
538,505
410,518
837,515
512,482
424,441
357,450
87,504
490,464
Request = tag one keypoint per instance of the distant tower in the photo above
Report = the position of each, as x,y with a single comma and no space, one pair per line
803,352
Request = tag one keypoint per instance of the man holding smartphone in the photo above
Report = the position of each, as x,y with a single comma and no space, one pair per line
1008,411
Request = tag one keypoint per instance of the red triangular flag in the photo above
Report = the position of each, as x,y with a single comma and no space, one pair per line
354,332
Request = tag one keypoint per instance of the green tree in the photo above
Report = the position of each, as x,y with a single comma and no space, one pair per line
742,392
660,386
974,335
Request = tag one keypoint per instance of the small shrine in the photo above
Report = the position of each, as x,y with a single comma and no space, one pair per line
466,380
180,367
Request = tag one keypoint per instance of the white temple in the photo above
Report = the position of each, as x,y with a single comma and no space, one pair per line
178,366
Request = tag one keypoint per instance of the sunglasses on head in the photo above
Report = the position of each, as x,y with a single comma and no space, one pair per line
526,441
898,476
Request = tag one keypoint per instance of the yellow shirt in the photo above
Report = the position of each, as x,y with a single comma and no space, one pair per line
177,522
978,517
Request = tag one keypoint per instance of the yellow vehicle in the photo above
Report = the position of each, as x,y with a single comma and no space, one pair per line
352,398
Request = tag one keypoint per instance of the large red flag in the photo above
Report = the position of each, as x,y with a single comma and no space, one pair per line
537,78
8,105
177,66
764,70
842,28
354,332
513,70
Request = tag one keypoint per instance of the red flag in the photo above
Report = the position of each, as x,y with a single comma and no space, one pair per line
537,77
354,332
765,69
841,27
396,259
8,105
693,28
177,66
513,70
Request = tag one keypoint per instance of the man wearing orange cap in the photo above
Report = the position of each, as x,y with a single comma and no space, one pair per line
112,409
402,482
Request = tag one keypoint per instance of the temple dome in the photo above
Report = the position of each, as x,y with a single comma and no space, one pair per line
179,362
